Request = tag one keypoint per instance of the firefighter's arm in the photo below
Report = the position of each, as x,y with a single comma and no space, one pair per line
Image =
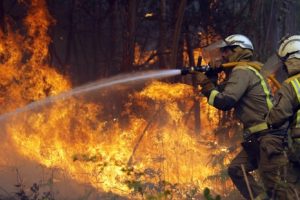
235,87
284,107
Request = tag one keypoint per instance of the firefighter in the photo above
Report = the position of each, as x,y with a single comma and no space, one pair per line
286,109
248,93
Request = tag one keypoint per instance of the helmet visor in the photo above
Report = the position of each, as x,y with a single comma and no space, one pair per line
212,53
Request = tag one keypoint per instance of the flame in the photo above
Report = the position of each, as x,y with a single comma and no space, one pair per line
76,136
149,15
101,163
83,146
33,79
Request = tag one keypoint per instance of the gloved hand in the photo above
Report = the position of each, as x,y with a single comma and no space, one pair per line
205,82
216,68
213,75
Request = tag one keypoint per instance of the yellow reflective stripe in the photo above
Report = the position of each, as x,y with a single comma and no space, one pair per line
292,78
258,127
212,97
296,86
264,86
298,119
256,65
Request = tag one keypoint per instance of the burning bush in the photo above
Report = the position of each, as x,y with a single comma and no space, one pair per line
140,144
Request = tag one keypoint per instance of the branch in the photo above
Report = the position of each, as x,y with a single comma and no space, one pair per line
154,117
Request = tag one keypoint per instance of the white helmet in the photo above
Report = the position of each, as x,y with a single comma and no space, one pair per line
239,40
290,48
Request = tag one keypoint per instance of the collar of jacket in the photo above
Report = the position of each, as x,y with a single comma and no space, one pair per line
292,78
255,64
293,66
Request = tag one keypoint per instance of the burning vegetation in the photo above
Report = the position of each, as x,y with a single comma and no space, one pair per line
141,147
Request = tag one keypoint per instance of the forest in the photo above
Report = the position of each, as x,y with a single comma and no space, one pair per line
74,123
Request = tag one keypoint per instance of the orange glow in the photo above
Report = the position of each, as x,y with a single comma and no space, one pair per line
75,135
144,57
101,163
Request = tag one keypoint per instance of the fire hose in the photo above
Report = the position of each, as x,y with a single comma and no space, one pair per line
209,69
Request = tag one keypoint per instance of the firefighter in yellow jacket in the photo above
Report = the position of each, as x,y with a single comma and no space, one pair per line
248,93
287,104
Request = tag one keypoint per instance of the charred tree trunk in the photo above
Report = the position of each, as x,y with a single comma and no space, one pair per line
69,37
162,35
54,56
2,20
288,20
180,51
275,19
129,35
192,63
177,32
112,65
92,70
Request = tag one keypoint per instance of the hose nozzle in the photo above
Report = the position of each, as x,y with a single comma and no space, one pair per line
192,70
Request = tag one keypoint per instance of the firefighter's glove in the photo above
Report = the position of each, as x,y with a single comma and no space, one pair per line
213,75
205,83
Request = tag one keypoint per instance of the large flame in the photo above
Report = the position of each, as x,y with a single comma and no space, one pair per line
70,135
76,136
24,73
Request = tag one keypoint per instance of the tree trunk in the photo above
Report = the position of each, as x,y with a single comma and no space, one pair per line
2,15
162,35
92,70
177,32
70,36
129,36
112,65
288,8
192,63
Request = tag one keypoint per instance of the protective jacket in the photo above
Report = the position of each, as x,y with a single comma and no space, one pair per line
287,102
245,90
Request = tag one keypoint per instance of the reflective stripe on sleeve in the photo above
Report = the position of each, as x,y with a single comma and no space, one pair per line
298,119
264,86
296,86
212,97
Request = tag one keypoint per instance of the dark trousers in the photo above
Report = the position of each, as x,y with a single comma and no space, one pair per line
293,172
266,155
236,174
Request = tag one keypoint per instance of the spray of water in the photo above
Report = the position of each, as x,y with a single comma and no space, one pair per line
104,83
